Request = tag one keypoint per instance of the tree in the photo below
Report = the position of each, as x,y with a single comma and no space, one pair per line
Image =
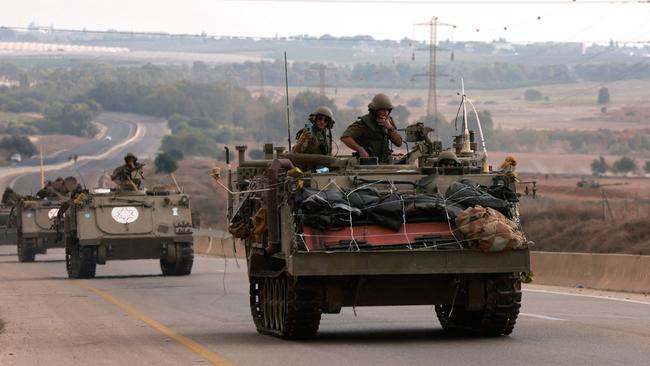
165,163
19,144
603,95
624,165
401,115
306,102
599,166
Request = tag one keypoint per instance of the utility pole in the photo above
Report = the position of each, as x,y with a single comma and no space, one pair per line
432,98
261,78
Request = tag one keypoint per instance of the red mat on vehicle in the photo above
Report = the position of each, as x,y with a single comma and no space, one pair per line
374,235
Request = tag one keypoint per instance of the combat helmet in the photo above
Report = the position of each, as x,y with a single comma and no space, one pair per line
130,156
447,157
380,101
324,111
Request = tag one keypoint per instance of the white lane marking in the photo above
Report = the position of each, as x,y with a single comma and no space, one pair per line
542,317
209,245
590,296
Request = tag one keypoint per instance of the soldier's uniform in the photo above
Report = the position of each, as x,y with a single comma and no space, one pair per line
374,138
10,197
318,143
127,176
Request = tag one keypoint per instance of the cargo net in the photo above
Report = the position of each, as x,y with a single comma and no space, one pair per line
466,216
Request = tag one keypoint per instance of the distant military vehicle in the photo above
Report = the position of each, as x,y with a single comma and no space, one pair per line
36,234
7,229
109,224
592,183
436,228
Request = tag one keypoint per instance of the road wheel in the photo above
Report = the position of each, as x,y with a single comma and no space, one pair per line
26,249
81,262
498,316
183,264
285,307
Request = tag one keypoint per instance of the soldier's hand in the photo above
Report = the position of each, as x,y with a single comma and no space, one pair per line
363,153
304,135
384,122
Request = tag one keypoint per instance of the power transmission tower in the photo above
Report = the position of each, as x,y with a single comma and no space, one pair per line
321,76
432,98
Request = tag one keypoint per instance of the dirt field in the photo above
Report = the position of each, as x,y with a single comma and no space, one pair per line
569,107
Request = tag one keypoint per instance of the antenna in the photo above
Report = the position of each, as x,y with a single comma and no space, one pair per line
466,145
286,87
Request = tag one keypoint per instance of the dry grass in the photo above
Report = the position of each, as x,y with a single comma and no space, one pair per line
587,226
193,175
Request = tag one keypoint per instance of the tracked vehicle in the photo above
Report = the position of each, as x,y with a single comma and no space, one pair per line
7,228
112,224
322,233
35,227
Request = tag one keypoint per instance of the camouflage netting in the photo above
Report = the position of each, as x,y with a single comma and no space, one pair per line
488,230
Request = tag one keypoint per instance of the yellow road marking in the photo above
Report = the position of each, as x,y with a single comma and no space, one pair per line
211,357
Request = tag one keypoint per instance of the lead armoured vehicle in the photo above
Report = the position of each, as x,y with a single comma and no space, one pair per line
109,224
435,228
35,227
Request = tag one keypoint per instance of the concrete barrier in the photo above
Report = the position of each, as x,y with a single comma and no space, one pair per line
613,272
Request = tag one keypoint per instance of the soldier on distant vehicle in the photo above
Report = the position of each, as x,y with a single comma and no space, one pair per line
318,138
10,197
370,134
128,176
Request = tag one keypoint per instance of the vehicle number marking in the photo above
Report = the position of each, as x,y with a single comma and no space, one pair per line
52,213
174,211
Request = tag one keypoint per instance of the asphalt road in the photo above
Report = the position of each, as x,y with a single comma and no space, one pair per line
120,128
131,315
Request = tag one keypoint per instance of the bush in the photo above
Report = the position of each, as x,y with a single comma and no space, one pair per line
19,144
624,165
603,96
599,166
165,163
533,95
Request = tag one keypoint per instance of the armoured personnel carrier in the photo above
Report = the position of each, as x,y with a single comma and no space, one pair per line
7,229
112,224
435,228
35,227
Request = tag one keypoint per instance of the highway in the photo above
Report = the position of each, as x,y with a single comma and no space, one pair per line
120,127
131,315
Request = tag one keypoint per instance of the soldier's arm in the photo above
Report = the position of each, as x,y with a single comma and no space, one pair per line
349,138
394,135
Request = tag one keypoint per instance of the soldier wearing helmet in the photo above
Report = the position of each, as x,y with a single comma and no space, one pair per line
370,134
129,176
317,139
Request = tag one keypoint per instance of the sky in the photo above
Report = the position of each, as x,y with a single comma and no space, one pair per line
482,20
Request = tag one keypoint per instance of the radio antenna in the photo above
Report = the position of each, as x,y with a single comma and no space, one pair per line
286,87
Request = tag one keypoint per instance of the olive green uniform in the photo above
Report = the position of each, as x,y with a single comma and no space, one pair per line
372,137
126,177
318,143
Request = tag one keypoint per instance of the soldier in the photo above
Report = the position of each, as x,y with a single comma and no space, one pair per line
318,138
128,176
10,197
369,135
46,191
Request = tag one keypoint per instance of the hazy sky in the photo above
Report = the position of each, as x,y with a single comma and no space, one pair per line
625,21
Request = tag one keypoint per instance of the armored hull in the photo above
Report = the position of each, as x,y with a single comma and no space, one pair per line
120,225
35,226
7,229
379,235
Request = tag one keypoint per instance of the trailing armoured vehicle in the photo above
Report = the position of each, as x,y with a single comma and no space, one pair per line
435,228
35,227
7,228
109,224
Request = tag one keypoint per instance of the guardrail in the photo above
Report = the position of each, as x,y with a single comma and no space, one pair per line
612,272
